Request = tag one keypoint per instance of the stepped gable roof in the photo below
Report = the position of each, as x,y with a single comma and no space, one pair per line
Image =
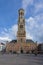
13,41
29,41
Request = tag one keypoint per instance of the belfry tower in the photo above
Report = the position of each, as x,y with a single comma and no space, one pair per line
21,33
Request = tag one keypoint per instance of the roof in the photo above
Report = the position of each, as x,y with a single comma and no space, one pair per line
2,43
13,41
29,41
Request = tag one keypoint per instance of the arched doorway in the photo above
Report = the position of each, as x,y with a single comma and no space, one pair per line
21,50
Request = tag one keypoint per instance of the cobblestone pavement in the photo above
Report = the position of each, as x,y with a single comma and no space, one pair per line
21,59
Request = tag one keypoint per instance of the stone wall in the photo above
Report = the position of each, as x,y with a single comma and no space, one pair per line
15,47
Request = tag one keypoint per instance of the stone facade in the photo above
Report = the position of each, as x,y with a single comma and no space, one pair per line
21,45
15,47
21,33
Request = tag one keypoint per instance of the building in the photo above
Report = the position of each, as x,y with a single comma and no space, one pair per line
40,48
21,33
2,47
21,45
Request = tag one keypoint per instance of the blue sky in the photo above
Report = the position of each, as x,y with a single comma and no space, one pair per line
33,18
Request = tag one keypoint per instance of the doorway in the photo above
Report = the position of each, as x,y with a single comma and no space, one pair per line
21,50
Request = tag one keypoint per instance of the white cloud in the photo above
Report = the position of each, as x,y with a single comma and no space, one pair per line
14,29
25,4
5,39
34,27
34,30
9,34
28,36
31,22
38,7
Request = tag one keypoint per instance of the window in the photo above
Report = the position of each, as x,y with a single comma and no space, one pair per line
21,26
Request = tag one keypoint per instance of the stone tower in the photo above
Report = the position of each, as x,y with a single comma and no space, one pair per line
21,33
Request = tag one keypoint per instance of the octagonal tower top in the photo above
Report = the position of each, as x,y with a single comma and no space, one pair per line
21,12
